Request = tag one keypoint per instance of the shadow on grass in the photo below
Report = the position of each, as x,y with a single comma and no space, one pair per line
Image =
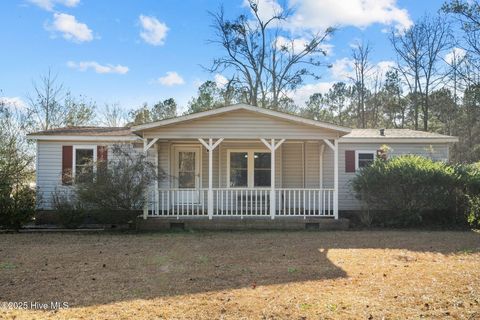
96,269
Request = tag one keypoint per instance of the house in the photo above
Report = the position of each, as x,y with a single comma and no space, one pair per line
237,161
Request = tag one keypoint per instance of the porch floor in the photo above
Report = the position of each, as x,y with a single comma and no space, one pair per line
248,223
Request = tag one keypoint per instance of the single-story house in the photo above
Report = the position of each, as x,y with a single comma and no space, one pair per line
237,161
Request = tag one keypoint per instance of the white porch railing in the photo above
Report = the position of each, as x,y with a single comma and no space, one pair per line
241,202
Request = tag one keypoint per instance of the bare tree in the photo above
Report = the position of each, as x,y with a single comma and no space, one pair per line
266,64
419,51
45,109
363,69
113,116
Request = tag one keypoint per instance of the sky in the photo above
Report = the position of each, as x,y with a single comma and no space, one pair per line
131,52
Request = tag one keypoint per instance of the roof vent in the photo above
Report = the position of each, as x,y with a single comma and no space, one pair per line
382,132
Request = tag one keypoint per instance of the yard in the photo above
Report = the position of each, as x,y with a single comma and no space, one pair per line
231,275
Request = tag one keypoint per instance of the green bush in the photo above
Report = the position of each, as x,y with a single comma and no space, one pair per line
17,206
412,190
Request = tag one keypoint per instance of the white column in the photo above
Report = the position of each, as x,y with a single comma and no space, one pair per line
210,180
320,171
272,147
157,194
335,177
272,180
210,146
145,205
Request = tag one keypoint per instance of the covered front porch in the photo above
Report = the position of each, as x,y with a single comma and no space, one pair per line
242,162
244,178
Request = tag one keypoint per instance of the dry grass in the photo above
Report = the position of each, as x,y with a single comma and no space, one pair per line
274,275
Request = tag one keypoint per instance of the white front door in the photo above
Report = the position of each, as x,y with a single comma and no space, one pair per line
187,173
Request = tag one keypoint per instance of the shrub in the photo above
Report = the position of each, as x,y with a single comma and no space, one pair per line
410,189
17,206
70,212
120,184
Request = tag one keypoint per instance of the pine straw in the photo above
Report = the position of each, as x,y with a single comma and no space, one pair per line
272,275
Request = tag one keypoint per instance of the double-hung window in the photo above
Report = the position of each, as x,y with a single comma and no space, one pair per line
364,159
84,163
249,168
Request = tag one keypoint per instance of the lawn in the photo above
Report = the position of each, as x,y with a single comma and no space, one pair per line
232,275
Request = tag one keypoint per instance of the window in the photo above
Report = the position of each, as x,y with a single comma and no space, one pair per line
186,169
249,168
83,163
239,169
364,159
262,169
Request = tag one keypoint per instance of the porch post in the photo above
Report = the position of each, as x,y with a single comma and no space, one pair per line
272,147
272,181
145,205
210,146
335,173
210,180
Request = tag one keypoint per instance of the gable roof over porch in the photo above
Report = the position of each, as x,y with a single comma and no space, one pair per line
240,121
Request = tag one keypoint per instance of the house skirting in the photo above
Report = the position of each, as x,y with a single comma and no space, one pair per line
251,223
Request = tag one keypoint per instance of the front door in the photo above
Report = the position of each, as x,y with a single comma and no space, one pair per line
187,173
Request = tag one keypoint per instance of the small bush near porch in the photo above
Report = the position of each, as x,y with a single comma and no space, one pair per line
271,275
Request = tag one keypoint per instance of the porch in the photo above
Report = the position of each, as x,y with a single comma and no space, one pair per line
242,161
210,178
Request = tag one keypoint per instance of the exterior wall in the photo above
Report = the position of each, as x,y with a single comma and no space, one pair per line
241,124
346,197
49,168
297,165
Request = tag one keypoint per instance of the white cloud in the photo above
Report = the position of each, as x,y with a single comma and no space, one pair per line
70,28
342,69
98,68
266,8
50,4
318,15
171,79
299,44
154,32
455,55
13,102
304,92
220,80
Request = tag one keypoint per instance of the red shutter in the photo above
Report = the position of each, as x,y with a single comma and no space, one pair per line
102,153
67,161
350,161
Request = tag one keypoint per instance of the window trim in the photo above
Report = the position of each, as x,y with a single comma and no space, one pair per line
74,158
250,166
357,152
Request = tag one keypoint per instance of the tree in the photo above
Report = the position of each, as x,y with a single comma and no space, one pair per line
362,68
80,111
17,198
419,50
394,105
317,109
209,97
45,109
338,99
112,116
266,62
164,109
161,110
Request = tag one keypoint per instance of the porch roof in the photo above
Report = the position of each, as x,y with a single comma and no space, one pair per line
268,112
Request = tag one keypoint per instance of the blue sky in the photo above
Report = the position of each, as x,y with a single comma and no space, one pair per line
132,52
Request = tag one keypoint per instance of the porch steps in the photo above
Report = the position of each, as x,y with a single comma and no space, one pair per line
250,223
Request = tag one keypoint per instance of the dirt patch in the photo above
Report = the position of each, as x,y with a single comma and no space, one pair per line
233,275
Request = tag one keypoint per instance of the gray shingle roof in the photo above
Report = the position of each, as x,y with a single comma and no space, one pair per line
393,133
86,131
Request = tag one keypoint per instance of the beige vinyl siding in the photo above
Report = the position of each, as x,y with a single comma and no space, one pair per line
241,124
346,197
